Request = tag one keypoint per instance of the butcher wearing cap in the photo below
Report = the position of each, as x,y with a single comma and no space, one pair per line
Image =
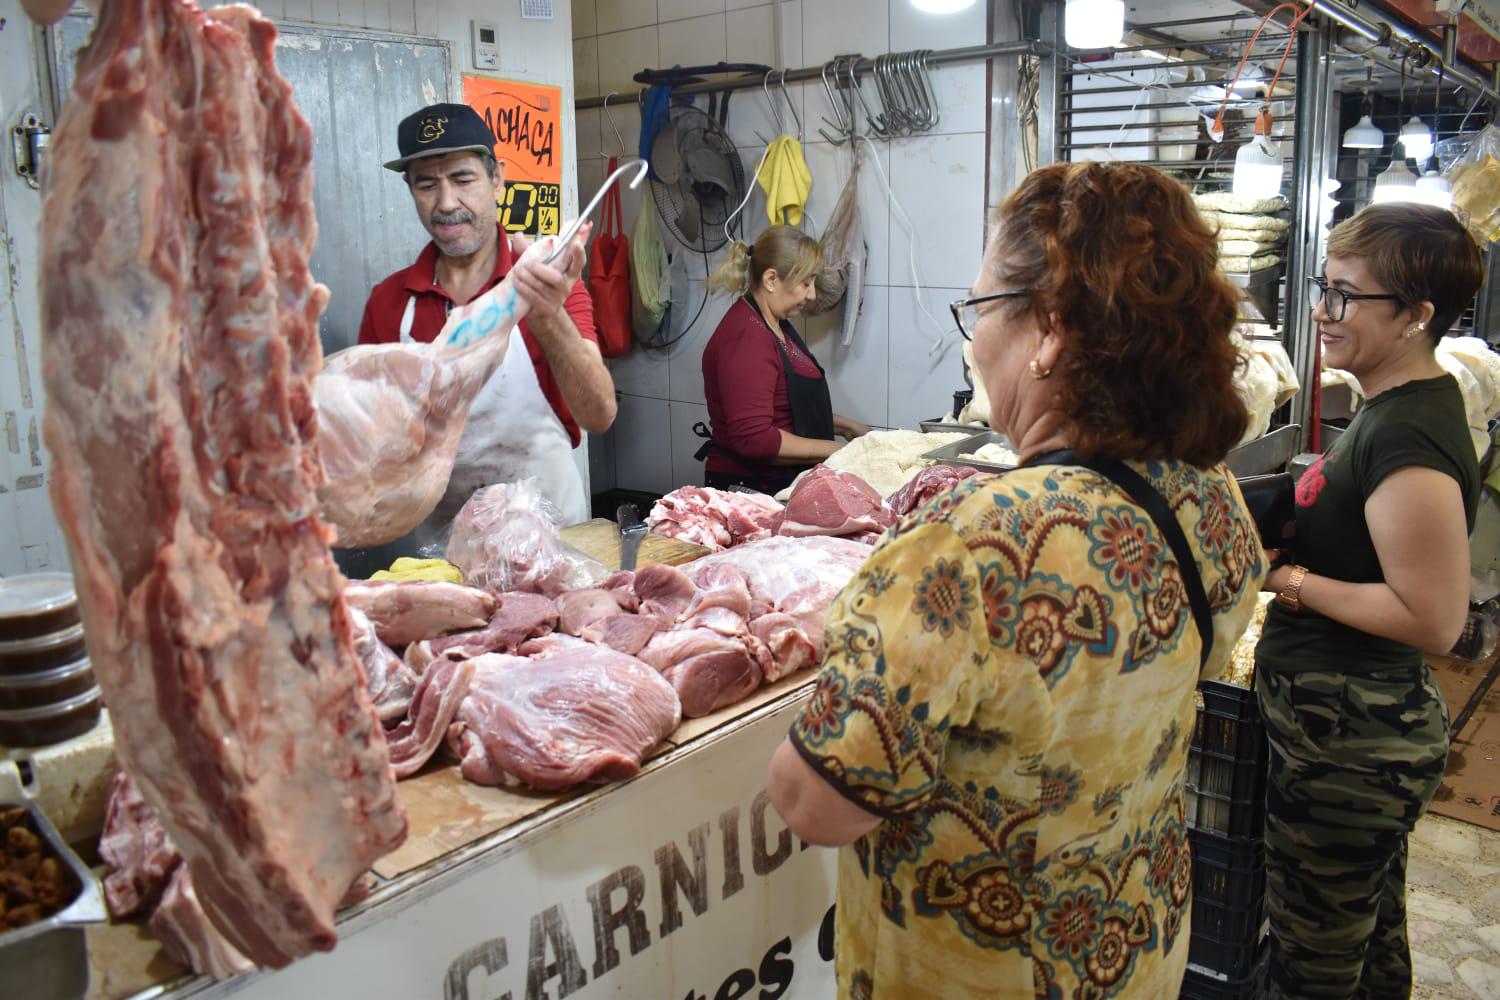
553,384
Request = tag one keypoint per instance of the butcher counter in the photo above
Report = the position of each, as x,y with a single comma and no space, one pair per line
679,882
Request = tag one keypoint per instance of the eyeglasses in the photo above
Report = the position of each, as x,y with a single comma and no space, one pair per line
1336,301
966,313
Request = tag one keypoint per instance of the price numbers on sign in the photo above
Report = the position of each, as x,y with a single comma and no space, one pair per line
532,209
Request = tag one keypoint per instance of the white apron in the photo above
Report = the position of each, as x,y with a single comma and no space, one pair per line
512,434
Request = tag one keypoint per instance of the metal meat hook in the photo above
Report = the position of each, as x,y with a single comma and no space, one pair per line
639,166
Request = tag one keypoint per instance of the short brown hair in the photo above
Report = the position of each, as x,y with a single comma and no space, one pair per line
1119,255
1419,252
786,250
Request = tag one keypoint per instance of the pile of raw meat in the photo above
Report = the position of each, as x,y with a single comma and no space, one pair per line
179,359
526,689
714,519
824,501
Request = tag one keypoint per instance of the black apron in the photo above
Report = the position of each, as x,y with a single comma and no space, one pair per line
812,415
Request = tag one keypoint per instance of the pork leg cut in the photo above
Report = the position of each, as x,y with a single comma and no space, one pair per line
179,354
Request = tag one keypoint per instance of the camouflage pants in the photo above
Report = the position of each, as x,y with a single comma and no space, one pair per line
1354,760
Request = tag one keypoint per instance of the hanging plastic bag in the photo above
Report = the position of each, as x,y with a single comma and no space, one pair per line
843,243
650,286
609,278
1475,177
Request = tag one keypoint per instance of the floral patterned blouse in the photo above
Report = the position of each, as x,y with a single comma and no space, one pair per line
1008,681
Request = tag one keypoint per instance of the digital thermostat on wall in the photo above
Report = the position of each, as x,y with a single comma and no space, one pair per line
540,9
486,45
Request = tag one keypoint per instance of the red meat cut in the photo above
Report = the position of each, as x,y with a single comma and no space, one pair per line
927,484
581,714
829,502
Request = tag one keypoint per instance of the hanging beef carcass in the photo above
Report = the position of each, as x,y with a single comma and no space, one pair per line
179,356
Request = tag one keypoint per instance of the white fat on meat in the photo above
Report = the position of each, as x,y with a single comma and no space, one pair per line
417,738
582,714
179,355
404,611
389,681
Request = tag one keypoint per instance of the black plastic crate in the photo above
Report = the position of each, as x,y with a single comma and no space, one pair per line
1228,916
1197,985
1227,872
1226,771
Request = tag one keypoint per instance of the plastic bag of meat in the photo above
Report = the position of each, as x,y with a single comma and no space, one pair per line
506,538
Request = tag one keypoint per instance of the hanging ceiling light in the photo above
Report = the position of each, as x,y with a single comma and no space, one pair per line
942,6
1416,139
1395,183
1258,166
1094,24
1364,135
1433,189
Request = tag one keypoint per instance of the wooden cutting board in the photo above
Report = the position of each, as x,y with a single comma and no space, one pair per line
600,538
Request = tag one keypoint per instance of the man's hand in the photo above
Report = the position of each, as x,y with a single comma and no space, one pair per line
545,287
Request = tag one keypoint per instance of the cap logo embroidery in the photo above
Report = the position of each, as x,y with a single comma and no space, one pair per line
432,128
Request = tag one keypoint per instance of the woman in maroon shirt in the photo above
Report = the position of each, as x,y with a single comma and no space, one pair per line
767,396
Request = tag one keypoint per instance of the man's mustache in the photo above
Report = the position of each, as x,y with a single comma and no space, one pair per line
452,218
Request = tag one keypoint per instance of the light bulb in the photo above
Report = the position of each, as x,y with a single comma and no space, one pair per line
1416,139
1395,183
1094,24
1257,169
1433,189
1364,135
942,6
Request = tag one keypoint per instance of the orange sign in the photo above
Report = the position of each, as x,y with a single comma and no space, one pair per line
527,121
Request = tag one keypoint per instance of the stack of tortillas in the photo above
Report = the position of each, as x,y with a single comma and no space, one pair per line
1251,232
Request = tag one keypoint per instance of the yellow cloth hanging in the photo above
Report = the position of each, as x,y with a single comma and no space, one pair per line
436,570
786,181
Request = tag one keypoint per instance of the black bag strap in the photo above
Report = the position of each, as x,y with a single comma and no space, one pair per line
1143,493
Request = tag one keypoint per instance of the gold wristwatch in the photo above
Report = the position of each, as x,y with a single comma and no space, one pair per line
1291,595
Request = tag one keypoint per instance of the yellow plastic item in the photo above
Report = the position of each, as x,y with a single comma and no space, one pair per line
786,181
435,570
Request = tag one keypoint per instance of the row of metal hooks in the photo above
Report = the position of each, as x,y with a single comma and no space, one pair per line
903,86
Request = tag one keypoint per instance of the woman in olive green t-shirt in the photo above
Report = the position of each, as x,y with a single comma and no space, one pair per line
1379,575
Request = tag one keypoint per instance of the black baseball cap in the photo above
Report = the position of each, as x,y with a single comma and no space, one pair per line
439,129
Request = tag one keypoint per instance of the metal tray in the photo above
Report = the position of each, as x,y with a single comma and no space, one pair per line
53,951
936,426
1268,453
949,454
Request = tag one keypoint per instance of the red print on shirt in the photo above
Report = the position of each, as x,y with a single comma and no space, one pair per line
1311,484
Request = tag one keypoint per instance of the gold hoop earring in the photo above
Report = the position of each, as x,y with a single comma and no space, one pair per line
1037,371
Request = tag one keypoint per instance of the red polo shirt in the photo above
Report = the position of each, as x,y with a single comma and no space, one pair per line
387,304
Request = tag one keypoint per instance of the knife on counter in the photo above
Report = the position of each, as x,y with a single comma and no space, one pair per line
632,530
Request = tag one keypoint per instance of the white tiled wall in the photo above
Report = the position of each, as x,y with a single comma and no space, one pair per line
889,375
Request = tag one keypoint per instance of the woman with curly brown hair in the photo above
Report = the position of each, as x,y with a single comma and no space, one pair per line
1001,727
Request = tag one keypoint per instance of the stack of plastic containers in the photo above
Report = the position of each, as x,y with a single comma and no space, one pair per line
47,689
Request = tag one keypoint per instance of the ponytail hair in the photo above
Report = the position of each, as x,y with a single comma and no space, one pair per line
790,252
732,276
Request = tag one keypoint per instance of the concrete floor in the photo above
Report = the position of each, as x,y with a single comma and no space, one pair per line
1453,910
